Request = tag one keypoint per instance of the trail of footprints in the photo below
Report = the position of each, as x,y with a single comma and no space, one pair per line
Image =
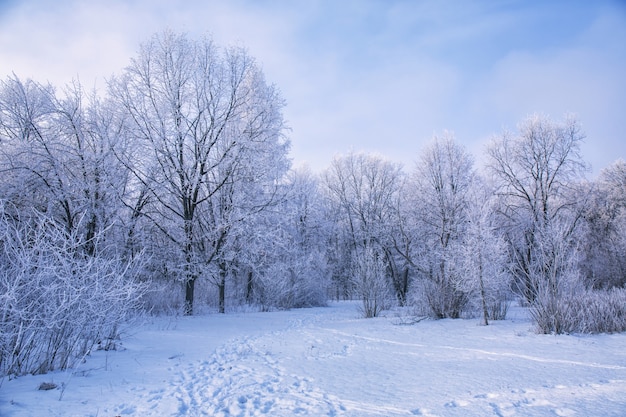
242,380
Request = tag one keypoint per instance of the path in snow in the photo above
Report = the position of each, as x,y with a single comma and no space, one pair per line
335,367
328,362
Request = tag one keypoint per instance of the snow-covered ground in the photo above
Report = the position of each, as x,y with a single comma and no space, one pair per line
330,362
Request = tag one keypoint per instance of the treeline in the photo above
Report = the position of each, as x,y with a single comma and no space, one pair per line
173,191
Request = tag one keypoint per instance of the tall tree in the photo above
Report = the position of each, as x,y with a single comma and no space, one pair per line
483,267
59,153
603,264
362,190
537,172
442,181
206,122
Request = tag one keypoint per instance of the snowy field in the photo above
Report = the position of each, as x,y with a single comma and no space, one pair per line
330,362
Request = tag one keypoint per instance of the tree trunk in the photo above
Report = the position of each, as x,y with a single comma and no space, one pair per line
222,289
483,295
222,296
249,288
189,289
405,285
190,277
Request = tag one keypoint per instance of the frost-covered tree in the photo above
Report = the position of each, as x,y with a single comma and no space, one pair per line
441,185
362,191
210,145
287,267
370,281
483,267
537,171
28,146
58,151
603,264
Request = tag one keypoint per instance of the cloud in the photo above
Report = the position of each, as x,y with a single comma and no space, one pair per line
88,40
373,75
584,78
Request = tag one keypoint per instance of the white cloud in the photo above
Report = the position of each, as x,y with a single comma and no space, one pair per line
378,76
584,78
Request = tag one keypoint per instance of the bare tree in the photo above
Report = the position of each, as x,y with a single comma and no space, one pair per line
59,153
206,122
370,281
443,178
603,264
32,150
362,190
536,172
483,267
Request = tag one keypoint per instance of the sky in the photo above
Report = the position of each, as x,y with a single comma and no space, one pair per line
380,76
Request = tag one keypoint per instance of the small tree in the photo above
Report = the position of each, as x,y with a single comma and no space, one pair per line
370,282
362,190
555,279
484,263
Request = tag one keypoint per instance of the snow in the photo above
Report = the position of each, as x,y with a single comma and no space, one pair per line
329,362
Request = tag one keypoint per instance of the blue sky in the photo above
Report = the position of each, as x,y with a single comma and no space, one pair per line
379,76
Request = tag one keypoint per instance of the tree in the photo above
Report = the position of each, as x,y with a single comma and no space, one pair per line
483,267
58,150
443,178
33,150
603,264
208,127
285,264
369,280
362,190
536,172
539,173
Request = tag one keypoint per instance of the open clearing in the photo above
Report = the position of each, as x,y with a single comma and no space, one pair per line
330,362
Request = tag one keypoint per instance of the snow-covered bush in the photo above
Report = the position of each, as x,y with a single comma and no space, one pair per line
445,298
56,302
498,306
553,279
561,302
600,311
300,283
163,297
462,299
371,283
590,311
483,269
552,307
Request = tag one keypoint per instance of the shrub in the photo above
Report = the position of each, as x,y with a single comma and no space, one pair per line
56,302
588,311
371,284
